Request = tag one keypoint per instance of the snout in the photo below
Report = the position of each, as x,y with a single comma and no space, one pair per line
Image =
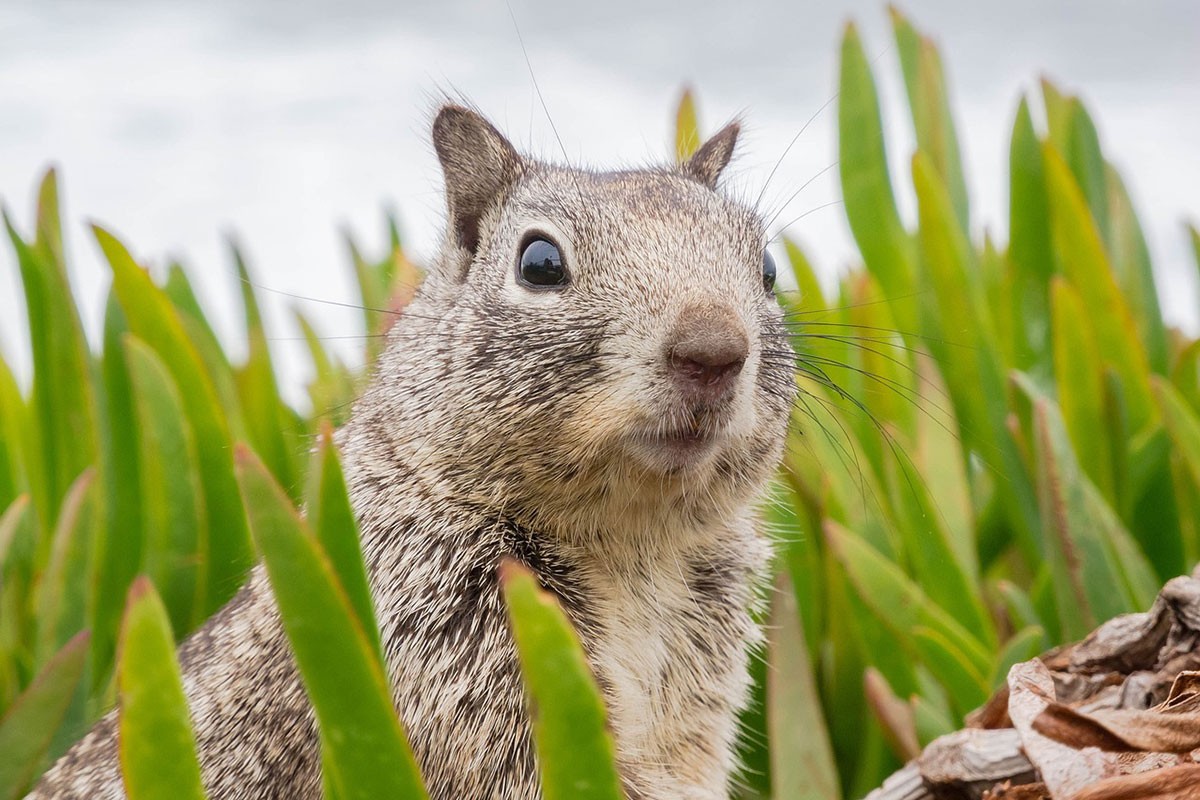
705,352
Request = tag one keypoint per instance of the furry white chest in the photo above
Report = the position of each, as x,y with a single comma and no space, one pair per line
671,659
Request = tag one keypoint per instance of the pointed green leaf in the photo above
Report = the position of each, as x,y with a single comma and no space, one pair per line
1135,274
155,321
29,724
360,733
63,399
259,392
1030,246
156,744
199,331
925,83
331,517
866,182
1085,263
119,546
171,495
63,591
575,748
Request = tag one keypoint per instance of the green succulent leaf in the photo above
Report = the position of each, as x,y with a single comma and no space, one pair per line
27,727
363,743
155,740
576,754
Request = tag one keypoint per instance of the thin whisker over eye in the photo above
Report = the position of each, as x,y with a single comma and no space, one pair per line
813,210
796,193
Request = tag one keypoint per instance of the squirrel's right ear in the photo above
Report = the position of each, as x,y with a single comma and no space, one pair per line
479,166
707,164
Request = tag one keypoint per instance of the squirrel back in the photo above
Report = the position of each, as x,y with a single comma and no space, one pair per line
594,379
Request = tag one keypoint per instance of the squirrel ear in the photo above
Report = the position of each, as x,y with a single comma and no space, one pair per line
713,156
479,166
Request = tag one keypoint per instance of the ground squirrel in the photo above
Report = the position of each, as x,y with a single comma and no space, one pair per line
594,379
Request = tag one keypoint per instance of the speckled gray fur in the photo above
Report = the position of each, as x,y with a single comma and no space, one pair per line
505,421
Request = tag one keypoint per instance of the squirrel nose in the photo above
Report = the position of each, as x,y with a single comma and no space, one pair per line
706,350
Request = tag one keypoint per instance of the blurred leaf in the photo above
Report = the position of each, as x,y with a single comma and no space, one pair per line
119,544
809,298
687,127
29,724
1079,378
332,389
1018,605
199,331
866,182
155,321
157,746
16,628
63,401
1030,248
968,356
931,721
802,766
1086,546
894,716
575,748
934,563
172,507
896,600
1025,644
933,124
1181,423
1086,265
360,733
12,422
1135,275
967,685
1194,235
264,412
1058,115
62,595
1087,163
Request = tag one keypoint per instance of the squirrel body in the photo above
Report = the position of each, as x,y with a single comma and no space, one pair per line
612,431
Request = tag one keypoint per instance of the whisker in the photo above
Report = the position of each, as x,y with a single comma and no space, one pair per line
802,216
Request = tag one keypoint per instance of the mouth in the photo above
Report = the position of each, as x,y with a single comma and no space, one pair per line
676,449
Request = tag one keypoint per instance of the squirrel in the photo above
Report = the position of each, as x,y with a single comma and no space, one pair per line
594,379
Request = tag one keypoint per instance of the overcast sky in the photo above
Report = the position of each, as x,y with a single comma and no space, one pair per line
174,123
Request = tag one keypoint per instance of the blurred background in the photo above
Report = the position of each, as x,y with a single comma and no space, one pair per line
176,124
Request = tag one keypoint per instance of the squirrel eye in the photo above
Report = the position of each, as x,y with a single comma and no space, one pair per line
541,265
768,271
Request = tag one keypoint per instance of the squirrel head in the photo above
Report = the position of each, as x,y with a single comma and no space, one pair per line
587,344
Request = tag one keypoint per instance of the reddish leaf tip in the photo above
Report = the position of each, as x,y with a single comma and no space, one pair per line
510,570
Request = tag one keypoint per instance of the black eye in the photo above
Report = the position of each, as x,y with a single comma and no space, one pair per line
768,273
541,265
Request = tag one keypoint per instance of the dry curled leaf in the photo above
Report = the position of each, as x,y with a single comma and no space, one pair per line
1113,717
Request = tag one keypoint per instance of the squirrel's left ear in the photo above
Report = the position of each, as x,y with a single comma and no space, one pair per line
479,165
707,163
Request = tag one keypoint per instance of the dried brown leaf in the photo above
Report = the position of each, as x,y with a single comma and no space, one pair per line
1174,783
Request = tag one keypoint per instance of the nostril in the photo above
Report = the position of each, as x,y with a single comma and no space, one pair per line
705,369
